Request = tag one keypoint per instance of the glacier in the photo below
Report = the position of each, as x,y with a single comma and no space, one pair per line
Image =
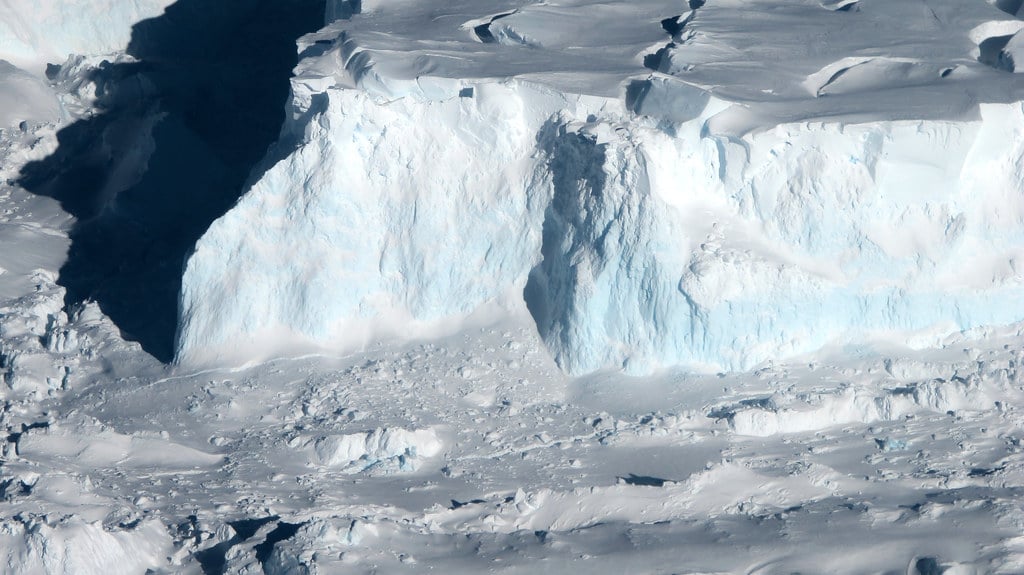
441,166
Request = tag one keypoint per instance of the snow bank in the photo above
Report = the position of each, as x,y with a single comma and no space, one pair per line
721,488
652,226
89,443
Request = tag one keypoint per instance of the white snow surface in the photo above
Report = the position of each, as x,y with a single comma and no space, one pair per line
24,97
33,33
781,176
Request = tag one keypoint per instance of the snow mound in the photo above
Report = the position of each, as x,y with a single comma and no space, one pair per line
703,493
383,450
86,443
849,404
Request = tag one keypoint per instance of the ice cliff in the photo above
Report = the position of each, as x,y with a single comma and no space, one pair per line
442,164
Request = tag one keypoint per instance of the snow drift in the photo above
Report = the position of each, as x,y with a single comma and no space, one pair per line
650,224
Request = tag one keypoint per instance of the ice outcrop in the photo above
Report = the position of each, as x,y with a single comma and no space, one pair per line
656,226
69,546
383,450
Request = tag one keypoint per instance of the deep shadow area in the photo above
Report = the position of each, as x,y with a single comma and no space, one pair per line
178,134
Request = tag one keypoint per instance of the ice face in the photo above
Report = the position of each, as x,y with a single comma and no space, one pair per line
361,230
701,251
657,226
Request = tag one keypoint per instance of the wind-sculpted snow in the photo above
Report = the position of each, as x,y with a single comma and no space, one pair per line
679,218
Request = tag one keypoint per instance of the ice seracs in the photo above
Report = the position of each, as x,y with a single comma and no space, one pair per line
681,217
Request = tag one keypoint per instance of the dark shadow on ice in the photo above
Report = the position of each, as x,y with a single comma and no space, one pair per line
282,532
213,560
643,480
178,134
927,566
576,164
1011,7
991,51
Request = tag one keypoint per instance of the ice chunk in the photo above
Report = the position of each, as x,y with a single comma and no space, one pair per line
382,449
387,220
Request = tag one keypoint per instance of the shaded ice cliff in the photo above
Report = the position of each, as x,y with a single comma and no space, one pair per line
443,164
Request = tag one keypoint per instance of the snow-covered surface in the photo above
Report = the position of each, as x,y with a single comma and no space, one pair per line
33,34
397,228
809,176
25,98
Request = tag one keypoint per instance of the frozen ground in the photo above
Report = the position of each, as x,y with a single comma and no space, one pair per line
457,443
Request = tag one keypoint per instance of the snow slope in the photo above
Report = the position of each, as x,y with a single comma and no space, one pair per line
738,182
33,34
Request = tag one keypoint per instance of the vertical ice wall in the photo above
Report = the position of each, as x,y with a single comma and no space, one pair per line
646,244
385,219
638,234
679,248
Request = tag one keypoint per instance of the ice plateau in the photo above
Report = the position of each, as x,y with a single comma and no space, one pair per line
668,192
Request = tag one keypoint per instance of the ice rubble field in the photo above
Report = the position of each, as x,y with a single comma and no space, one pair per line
654,287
